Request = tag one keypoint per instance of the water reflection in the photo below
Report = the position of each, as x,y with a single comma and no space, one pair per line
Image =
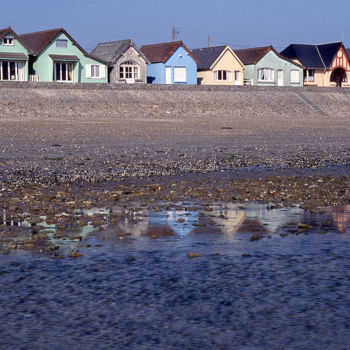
341,217
132,221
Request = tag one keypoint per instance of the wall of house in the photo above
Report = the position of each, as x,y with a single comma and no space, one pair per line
180,58
17,48
319,78
271,60
227,62
43,65
130,55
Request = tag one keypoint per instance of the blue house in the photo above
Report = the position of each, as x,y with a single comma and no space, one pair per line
171,63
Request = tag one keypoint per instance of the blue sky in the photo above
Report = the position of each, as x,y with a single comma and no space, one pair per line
239,23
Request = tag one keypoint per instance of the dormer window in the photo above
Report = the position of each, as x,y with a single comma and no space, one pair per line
61,43
9,41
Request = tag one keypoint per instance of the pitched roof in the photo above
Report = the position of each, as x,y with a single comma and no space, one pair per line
37,41
313,56
5,31
112,51
157,53
207,56
252,55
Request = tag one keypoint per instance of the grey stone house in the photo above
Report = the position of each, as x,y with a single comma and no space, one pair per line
126,63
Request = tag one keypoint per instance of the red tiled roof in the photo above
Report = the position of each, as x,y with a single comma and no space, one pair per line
14,55
157,53
5,31
253,55
37,41
65,58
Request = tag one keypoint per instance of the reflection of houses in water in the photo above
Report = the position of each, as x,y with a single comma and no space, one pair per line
172,217
228,219
341,217
9,220
272,220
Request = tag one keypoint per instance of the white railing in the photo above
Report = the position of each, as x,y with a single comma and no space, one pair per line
33,77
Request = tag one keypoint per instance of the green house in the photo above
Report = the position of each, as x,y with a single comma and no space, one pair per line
264,66
56,57
14,57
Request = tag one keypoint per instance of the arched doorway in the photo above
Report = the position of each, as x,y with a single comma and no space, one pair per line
338,76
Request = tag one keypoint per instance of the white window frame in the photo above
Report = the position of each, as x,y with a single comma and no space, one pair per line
129,70
222,75
65,41
7,65
295,76
95,71
92,69
60,80
180,75
266,75
9,41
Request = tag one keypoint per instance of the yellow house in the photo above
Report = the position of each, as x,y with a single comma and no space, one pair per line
325,65
218,65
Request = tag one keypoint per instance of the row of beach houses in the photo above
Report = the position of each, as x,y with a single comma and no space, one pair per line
54,56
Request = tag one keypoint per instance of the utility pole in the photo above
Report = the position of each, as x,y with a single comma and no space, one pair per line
174,32
208,41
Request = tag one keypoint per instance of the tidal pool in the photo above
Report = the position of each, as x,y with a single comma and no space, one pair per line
136,287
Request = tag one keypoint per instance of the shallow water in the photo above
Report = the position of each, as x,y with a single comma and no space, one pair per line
289,289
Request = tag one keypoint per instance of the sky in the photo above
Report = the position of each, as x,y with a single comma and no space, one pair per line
238,23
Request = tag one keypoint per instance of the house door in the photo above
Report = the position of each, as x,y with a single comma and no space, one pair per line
167,75
237,77
280,77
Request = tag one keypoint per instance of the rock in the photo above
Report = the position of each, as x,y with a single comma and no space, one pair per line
302,226
256,237
193,255
75,254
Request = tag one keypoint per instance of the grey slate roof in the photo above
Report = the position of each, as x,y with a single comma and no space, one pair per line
112,51
313,56
207,56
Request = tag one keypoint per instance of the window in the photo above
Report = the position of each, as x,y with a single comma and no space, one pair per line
237,77
180,75
9,41
223,75
129,70
95,71
311,75
266,74
63,72
11,70
294,76
61,43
